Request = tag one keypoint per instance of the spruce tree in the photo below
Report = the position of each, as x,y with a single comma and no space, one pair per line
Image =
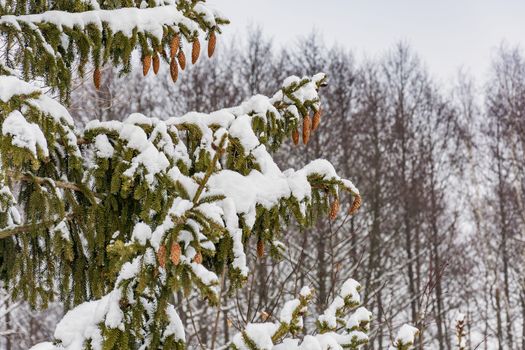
114,218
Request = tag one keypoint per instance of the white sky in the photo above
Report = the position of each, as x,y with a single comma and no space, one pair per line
447,34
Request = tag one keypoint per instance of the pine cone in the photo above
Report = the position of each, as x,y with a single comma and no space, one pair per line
174,70
316,120
334,209
174,45
295,137
156,64
198,258
161,256
356,204
260,248
146,64
196,51
97,76
307,128
182,60
212,42
175,253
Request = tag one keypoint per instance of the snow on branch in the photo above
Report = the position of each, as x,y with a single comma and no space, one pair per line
201,184
287,332
46,41
405,338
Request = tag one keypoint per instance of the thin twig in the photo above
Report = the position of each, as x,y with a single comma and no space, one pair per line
217,316
194,326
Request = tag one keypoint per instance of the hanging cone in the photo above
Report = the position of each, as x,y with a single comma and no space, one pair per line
307,128
156,64
334,209
195,51
161,256
295,136
97,77
212,42
174,70
356,204
182,60
198,258
316,120
174,45
175,253
260,248
146,64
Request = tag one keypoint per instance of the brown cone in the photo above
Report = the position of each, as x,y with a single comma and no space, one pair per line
260,248
174,45
356,204
307,128
195,51
97,77
156,64
316,120
182,60
295,137
175,253
334,209
174,70
212,42
198,258
146,64
161,256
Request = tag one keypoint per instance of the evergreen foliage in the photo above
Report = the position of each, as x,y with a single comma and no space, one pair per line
335,329
51,40
117,217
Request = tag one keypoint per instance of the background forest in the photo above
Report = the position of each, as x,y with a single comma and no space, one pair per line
441,170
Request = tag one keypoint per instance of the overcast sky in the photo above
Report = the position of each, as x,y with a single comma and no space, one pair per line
447,34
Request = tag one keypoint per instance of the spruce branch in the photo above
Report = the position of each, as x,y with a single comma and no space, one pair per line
211,168
13,231
23,229
13,175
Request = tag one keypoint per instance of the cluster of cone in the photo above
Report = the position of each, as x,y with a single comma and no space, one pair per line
177,58
310,125
175,253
